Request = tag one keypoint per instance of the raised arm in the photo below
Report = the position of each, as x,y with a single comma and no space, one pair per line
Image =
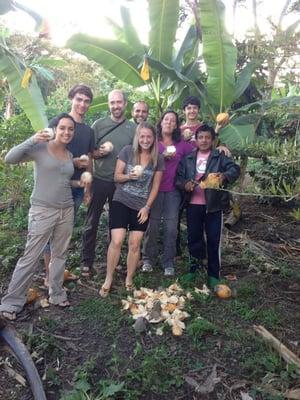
25,151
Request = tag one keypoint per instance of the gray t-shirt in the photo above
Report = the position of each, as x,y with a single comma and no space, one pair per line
134,193
121,136
83,142
52,176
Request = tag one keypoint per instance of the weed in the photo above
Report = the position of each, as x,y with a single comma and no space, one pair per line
295,214
44,344
261,360
199,328
157,372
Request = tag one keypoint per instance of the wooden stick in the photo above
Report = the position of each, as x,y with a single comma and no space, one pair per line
284,352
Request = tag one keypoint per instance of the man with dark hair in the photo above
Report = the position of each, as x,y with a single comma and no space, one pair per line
140,111
199,174
81,89
191,107
83,143
111,135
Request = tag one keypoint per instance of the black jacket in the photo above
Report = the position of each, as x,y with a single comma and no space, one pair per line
216,200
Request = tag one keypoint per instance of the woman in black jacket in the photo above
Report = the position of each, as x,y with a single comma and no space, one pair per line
204,204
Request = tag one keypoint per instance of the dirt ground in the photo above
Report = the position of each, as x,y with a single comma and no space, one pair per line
92,347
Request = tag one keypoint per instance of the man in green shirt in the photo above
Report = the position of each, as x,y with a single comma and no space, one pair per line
117,130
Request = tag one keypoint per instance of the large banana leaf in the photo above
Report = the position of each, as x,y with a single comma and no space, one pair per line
173,74
243,79
130,33
219,53
189,45
163,16
236,136
115,56
30,99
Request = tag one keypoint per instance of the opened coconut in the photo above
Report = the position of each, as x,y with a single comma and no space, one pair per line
170,150
50,133
187,134
107,147
86,178
137,170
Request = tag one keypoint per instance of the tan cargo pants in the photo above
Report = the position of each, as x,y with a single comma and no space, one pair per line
44,224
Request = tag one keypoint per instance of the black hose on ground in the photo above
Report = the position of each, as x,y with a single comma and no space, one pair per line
10,338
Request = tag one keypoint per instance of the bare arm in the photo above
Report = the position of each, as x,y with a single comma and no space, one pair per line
119,176
24,151
143,214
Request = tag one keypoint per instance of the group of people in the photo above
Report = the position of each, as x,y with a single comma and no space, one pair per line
146,175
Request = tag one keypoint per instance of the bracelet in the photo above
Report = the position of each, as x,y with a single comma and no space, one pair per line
147,208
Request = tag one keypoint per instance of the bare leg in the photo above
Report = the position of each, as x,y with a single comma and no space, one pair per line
113,255
133,257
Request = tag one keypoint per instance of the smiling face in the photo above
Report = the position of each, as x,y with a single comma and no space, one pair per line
168,123
139,112
80,104
204,141
64,132
146,139
191,113
116,104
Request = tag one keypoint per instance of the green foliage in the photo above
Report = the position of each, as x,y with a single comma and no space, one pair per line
295,214
29,98
219,53
278,176
157,363
200,328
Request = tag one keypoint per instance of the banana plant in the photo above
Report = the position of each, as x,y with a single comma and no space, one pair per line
125,56
20,78
170,72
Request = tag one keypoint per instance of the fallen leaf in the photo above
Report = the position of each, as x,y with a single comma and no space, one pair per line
245,396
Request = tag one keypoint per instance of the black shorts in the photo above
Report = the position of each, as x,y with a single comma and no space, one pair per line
122,216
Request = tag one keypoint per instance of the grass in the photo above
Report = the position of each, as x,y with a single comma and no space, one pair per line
111,361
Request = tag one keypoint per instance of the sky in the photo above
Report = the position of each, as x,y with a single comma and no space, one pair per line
89,16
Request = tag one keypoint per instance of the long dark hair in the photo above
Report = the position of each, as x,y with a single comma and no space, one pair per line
55,121
176,134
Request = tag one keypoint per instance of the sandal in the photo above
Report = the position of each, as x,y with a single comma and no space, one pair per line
64,304
10,316
103,292
129,288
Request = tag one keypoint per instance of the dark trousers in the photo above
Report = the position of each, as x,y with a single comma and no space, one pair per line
101,191
198,222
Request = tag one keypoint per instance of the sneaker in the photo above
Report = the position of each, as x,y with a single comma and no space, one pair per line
169,271
147,268
212,282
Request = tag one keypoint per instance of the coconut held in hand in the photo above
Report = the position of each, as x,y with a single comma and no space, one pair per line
137,170
86,178
107,147
49,132
170,150
84,157
187,134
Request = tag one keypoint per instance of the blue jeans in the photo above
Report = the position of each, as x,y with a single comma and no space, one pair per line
198,222
165,207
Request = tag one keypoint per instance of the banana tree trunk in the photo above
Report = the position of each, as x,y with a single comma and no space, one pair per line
9,107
